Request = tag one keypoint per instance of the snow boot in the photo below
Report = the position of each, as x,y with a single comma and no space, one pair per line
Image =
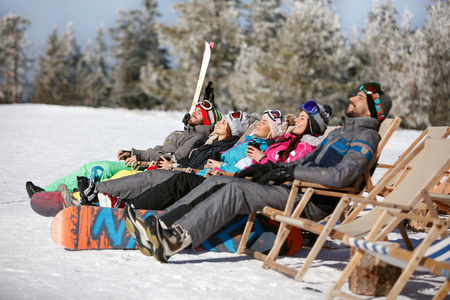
88,190
135,227
67,198
32,189
166,242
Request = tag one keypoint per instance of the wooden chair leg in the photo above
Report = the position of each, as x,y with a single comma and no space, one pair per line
246,233
443,291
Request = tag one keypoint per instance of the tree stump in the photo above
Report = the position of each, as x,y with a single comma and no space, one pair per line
372,277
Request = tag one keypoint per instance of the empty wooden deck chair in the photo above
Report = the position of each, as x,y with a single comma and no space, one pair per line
435,132
434,258
433,161
386,130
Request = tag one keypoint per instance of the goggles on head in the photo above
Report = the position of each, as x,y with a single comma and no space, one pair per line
205,104
235,114
310,107
273,114
373,89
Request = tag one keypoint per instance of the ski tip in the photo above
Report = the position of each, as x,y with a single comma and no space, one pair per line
211,45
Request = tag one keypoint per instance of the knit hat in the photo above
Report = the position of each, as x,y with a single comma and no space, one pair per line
379,102
238,122
319,116
277,122
211,115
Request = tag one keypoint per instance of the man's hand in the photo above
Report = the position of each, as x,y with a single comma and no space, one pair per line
131,161
278,175
123,154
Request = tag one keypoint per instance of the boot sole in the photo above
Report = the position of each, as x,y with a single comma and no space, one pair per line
154,232
137,231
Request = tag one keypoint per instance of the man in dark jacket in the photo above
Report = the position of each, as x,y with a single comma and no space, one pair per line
338,162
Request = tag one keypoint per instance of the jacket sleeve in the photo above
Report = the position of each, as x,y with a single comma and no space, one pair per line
342,174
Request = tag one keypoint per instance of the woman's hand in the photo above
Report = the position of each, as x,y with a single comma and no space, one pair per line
254,153
164,163
211,163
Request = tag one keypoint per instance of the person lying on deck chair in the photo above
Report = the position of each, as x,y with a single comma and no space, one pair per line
340,160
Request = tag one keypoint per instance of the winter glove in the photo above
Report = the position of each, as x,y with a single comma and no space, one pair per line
278,175
185,120
256,171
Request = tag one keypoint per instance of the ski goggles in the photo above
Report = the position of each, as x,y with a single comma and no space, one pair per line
205,105
373,89
96,174
234,119
275,115
313,110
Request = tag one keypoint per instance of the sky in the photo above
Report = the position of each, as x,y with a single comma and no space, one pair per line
88,15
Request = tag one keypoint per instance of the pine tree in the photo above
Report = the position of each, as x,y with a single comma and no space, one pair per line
305,62
13,60
135,45
198,21
245,82
71,54
48,86
97,79
435,46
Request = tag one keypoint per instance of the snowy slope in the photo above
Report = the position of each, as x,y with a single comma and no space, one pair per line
42,143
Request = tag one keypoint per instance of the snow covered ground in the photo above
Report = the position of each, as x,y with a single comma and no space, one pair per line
42,143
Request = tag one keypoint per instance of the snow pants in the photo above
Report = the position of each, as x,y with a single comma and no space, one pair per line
219,199
130,187
110,168
168,192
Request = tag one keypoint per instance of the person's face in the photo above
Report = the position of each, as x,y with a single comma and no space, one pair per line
196,118
300,123
221,127
262,129
358,106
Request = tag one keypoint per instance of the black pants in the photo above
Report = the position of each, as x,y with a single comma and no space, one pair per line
167,193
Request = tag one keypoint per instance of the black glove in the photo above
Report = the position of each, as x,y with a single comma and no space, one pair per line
278,175
185,120
256,171
209,93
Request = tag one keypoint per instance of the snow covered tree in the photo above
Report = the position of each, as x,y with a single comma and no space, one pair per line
435,46
305,61
135,45
245,82
56,79
13,61
198,21
97,78
47,85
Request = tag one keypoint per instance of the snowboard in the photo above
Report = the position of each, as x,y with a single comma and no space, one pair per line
97,228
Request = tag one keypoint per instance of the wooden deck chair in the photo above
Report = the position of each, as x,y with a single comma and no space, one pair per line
434,258
386,130
434,160
437,132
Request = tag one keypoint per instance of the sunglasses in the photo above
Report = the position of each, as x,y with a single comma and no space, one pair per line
205,104
273,114
373,89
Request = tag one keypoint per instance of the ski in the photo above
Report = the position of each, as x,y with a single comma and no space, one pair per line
201,77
